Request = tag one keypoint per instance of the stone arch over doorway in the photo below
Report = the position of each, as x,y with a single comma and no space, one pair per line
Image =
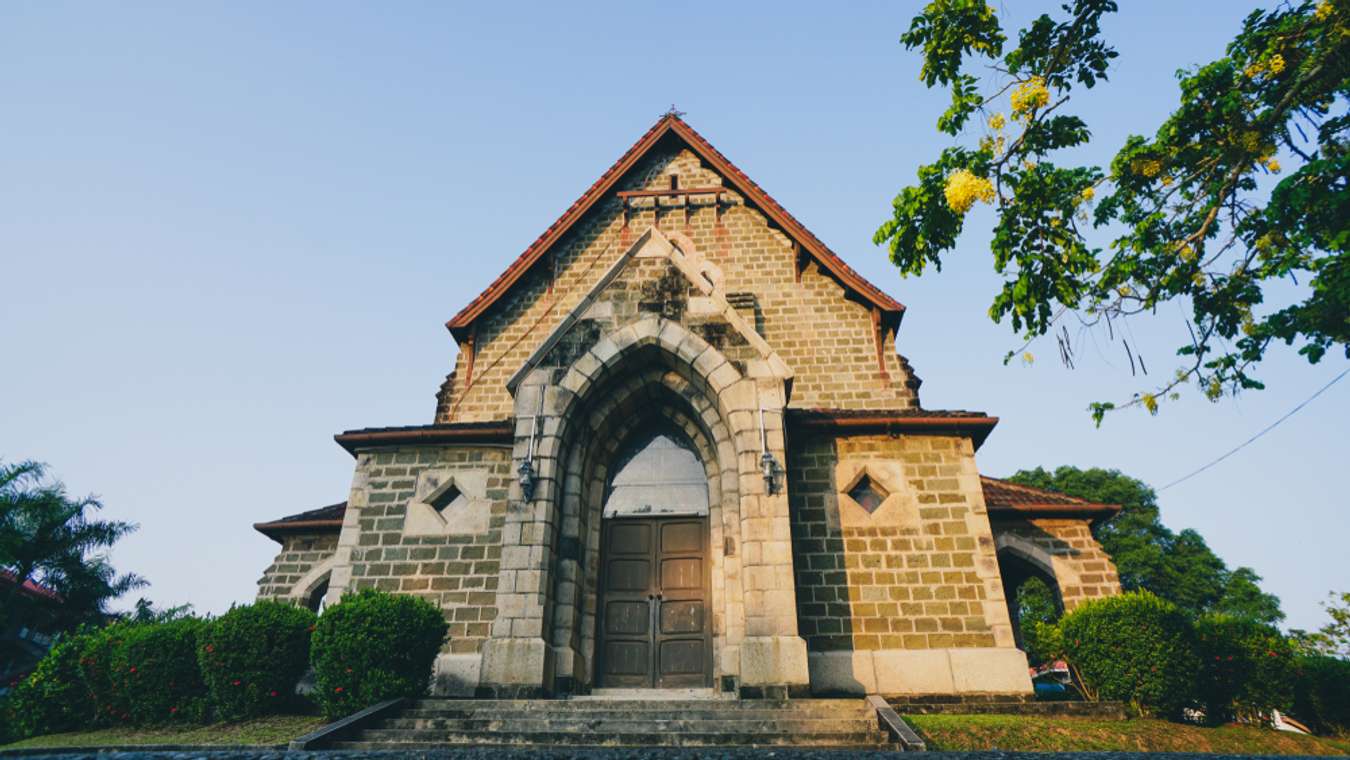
568,423
311,590
655,396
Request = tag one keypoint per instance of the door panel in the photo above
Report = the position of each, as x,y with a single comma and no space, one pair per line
654,595
682,574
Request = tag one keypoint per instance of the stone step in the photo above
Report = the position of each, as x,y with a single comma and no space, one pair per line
850,713
400,739
824,706
621,725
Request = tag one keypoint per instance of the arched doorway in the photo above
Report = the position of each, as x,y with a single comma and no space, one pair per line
655,616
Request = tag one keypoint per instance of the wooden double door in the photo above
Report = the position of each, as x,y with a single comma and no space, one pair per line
655,613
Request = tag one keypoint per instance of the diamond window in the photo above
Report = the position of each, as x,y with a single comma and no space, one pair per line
868,493
446,498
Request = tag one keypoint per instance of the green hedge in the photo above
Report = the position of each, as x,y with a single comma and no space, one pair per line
155,666
1246,670
110,703
251,658
1322,693
1134,648
54,697
373,646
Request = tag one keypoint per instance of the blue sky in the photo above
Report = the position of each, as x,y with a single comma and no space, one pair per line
229,231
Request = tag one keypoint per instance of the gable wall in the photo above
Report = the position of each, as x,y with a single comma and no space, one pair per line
826,338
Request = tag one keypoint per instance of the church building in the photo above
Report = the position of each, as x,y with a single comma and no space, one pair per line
679,449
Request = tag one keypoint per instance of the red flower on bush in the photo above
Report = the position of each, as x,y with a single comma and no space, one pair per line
235,682
131,669
173,710
210,648
338,690
274,693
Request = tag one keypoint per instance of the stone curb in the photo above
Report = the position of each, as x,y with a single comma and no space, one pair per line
899,730
319,737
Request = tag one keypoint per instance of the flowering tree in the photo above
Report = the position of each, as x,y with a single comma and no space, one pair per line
1175,216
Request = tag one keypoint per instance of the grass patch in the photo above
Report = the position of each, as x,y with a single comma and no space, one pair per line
1060,734
274,729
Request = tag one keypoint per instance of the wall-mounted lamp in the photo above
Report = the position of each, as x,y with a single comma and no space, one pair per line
767,463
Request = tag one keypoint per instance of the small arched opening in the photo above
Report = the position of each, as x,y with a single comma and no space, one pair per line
1033,597
315,600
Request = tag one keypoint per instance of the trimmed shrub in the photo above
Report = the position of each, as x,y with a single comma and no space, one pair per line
1134,648
1246,670
251,658
155,667
1322,693
373,646
1042,642
96,668
53,698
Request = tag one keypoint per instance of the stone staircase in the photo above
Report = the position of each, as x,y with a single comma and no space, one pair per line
432,723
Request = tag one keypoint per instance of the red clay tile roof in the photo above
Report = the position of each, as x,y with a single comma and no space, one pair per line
672,124
321,520
29,587
1005,498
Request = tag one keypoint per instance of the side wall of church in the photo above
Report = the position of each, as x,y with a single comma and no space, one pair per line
823,335
1067,550
906,599
300,553
393,542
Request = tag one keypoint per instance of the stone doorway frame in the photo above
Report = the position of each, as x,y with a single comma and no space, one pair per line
543,639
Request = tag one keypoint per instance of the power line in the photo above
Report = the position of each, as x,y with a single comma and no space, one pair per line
1267,429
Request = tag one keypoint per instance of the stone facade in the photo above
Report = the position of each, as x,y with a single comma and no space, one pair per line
850,545
292,575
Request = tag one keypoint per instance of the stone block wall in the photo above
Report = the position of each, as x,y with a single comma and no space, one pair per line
826,337
458,570
300,554
918,577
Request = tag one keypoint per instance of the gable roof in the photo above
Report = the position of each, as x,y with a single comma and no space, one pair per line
1005,498
667,126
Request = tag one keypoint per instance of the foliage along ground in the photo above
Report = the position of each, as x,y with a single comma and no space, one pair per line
267,731
1019,733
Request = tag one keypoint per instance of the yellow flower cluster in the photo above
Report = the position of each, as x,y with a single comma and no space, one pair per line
1150,403
1186,252
1087,194
993,145
1276,64
1272,165
996,122
1029,96
1148,167
964,188
1324,10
